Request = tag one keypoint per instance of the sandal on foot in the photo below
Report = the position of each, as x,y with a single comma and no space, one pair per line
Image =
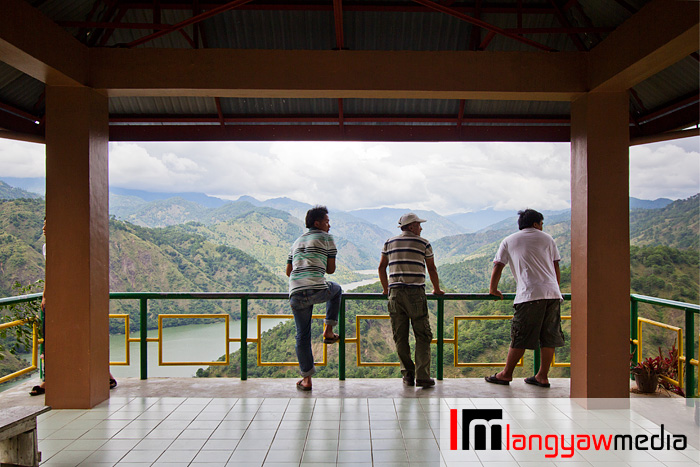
112,383
301,386
331,340
533,380
494,379
37,391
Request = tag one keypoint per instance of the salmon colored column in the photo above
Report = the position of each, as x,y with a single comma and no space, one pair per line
600,261
77,263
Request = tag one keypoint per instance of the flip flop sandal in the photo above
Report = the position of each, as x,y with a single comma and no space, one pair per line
332,340
37,391
112,383
301,387
532,380
493,379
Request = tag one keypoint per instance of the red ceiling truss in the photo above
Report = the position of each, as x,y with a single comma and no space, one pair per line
566,19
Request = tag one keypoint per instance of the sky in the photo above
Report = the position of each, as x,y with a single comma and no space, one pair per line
446,178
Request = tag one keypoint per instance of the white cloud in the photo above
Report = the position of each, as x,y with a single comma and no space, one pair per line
22,160
444,177
664,171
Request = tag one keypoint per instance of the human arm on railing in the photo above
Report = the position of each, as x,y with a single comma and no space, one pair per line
432,272
383,278
495,279
330,266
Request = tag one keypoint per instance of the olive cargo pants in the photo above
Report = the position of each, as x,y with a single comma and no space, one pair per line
409,304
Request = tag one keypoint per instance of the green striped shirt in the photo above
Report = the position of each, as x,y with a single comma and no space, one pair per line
309,259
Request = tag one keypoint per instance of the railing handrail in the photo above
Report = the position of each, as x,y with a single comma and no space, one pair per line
19,299
665,302
285,295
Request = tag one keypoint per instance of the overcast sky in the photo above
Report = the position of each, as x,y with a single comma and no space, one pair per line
443,177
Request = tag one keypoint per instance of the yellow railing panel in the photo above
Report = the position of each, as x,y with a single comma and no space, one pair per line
35,349
457,363
185,316
358,341
259,341
127,352
681,358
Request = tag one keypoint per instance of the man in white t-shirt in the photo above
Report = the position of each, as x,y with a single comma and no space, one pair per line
534,261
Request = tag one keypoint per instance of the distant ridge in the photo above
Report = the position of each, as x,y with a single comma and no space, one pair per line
10,192
636,203
201,198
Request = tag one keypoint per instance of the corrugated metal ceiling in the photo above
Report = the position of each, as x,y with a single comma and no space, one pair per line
389,25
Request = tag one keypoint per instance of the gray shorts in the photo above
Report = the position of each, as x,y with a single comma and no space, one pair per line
536,324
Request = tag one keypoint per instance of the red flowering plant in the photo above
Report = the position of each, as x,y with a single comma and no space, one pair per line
653,367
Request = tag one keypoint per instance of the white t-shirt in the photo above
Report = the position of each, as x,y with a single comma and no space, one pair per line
531,254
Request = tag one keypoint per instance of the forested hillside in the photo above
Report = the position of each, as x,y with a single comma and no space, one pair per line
266,230
675,225
10,192
169,260
21,240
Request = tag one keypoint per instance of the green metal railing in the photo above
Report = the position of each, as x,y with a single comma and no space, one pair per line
244,297
686,349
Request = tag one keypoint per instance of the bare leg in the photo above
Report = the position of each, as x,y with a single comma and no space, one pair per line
514,356
546,356
328,332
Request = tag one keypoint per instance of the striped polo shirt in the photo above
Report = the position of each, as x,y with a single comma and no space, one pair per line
309,259
406,254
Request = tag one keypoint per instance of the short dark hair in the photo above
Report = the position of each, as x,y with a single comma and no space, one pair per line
317,213
405,227
528,218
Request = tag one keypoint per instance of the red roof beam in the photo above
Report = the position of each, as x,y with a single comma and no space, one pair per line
195,19
483,24
338,17
681,103
333,133
112,25
345,119
540,9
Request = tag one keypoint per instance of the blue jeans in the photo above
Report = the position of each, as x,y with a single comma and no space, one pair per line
302,304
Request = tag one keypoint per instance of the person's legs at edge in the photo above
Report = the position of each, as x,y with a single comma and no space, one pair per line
305,356
421,330
546,356
400,327
335,293
514,356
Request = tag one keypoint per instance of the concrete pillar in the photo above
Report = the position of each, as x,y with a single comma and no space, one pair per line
77,244
600,261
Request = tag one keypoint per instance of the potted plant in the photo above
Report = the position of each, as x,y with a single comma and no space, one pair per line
647,372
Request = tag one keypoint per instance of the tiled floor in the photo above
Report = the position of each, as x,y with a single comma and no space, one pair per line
174,431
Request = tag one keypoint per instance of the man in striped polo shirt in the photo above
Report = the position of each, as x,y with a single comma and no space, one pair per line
312,256
408,255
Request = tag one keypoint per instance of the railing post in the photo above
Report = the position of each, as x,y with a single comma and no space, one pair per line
440,335
244,339
634,333
144,337
341,349
689,354
41,346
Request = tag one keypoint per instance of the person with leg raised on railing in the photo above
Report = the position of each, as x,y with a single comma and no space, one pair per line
312,256
534,261
407,256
